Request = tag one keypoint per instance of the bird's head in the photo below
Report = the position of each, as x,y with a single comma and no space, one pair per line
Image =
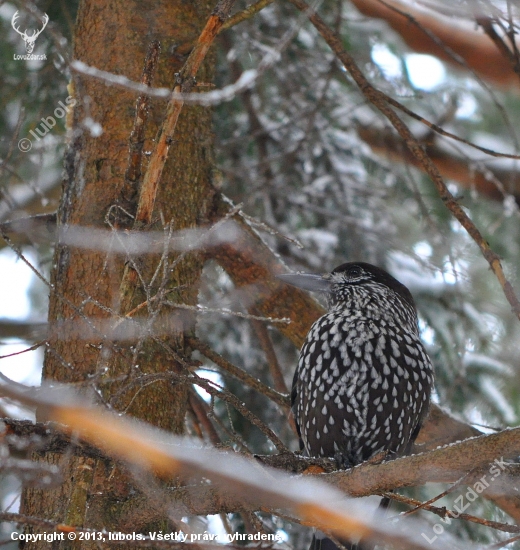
353,282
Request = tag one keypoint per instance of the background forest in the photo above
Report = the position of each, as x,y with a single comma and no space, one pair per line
298,151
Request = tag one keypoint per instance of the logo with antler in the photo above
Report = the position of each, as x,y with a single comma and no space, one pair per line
29,40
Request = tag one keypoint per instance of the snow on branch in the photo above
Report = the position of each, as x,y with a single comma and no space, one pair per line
148,448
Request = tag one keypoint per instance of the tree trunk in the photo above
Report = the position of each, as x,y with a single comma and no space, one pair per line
87,296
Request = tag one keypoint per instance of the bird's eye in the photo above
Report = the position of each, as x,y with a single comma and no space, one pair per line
354,272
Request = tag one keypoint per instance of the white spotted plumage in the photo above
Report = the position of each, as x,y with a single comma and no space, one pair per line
363,376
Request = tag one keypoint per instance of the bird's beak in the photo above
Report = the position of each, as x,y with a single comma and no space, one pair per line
306,281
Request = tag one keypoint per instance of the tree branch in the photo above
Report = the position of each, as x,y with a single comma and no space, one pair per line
493,183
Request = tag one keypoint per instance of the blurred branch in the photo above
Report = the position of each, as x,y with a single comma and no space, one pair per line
493,183
25,330
43,437
446,464
28,230
29,198
429,33
439,423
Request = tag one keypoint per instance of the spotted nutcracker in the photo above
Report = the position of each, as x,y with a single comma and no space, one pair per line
363,381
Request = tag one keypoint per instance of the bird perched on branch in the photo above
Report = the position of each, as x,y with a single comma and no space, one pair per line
363,382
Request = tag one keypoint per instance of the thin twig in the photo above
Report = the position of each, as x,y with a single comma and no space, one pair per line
448,491
227,366
487,24
200,410
270,354
226,311
246,13
443,512
213,389
502,543
32,348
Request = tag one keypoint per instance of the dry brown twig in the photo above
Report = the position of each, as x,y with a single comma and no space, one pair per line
214,390
502,543
246,13
200,409
185,83
270,354
136,141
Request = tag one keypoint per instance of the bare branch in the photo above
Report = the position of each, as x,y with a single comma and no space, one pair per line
246,13
443,513
251,381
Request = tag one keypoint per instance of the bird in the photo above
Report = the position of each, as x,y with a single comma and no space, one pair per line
363,382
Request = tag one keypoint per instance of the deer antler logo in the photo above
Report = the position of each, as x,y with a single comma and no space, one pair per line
29,40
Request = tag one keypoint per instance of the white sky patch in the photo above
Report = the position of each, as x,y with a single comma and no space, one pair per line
425,72
208,375
21,368
15,277
389,63
427,333
423,249
467,106
449,277
283,535
216,527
